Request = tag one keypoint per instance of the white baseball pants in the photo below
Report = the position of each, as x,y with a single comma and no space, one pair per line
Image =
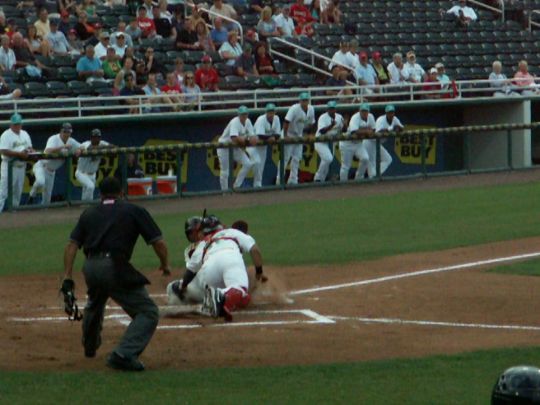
240,157
294,154
348,151
386,160
19,171
44,181
257,154
324,152
88,182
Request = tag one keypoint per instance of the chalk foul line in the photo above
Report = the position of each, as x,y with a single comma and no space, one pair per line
417,273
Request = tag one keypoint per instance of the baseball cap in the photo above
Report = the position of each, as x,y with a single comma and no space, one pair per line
390,108
439,65
363,54
206,58
376,55
104,35
270,107
364,107
16,119
66,127
120,34
432,70
304,96
243,110
96,132
331,104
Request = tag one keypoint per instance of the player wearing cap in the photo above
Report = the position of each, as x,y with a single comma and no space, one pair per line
45,169
240,132
362,123
385,124
299,118
329,124
89,165
267,128
15,143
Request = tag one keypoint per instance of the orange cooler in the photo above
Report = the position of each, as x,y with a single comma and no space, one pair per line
140,186
166,184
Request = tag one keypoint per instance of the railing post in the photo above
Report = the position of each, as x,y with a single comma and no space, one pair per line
122,161
281,167
378,157
423,154
467,152
179,152
9,201
231,168
509,149
69,187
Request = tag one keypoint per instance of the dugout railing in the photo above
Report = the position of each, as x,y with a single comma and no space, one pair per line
181,150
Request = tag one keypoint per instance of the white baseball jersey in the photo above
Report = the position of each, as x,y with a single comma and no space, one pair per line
325,120
90,164
382,124
9,140
236,128
54,142
298,118
265,128
357,123
232,241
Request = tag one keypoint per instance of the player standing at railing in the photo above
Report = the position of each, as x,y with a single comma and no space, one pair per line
385,124
89,165
329,124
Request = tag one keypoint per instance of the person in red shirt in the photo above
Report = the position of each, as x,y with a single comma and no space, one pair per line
173,91
432,84
207,76
302,17
263,60
145,23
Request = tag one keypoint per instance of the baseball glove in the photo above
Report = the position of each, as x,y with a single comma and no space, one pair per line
70,305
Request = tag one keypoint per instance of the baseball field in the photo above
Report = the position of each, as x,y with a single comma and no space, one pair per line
419,291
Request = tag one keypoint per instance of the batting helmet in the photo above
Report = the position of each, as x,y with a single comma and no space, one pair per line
517,385
192,224
210,224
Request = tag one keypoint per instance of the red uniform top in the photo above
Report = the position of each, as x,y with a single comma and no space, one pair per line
206,78
146,25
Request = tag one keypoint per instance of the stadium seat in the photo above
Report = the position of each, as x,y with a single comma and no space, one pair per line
67,74
36,89
56,89
79,88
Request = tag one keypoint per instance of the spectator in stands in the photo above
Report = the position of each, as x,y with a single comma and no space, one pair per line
315,9
145,23
191,90
412,72
206,76
204,39
164,11
100,50
151,89
196,17
25,58
3,22
223,9
6,93
395,69
163,25
37,44
352,54
179,71
94,40
462,13
57,40
134,32
524,81
7,56
120,79
74,42
231,50
338,80
188,39
442,77
342,59
88,7
11,28
284,23
267,27
67,7
365,73
152,64
84,29
245,64
330,13
64,25
302,17
42,24
263,60
178,19
148,5
130,89
120,45
89,67
431,84
257,6
499,81
173,91
219,33
121,30
111,65
378,64
141,72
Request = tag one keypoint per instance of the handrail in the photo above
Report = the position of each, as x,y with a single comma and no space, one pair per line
491,8
531,22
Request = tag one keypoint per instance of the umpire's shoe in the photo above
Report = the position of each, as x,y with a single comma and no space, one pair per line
118,362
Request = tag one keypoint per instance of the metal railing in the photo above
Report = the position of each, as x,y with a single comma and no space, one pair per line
491,8
532,14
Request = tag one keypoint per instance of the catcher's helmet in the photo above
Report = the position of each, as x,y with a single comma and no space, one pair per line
210,224
192,224
517,385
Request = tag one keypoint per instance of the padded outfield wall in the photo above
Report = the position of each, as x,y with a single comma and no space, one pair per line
200,169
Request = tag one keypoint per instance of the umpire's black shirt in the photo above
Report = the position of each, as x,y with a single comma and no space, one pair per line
122,223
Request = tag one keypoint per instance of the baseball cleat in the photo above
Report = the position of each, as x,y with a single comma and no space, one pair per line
213,302
118,362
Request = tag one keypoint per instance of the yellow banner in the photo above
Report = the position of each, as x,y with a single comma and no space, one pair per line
408,148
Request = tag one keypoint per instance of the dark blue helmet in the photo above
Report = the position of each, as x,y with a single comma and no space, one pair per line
210,224
192,224
517,385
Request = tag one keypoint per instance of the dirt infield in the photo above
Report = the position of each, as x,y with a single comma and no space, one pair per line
441,312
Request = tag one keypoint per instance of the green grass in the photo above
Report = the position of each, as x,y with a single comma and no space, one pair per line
526,268
461,379
325,232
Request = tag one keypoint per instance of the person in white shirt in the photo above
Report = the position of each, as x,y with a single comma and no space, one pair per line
387,123
240,132
15,145
100,50
329,124
224,9
341,58
499,82
300,117
7,56
45,169
463,13
412,72
267,128
88,166
284,22
120,46
121,29
352,55
362,123
395,69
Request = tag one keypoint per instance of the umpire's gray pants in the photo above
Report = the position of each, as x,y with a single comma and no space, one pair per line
99,274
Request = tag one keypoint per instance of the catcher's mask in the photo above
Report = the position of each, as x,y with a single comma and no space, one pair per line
210,224
192,224
517,385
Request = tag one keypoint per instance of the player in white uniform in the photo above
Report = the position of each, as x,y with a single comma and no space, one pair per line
386,123
300,117
15,143
362,123
267,127
329,124
240,132
45,169
88,166
215,272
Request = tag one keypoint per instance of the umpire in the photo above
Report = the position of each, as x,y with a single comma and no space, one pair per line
108,233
